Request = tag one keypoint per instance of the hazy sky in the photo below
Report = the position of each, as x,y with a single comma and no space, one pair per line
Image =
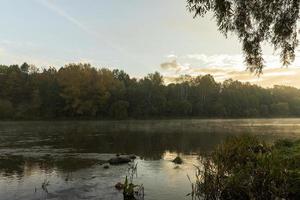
139,36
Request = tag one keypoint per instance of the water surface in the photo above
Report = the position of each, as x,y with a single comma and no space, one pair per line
66,157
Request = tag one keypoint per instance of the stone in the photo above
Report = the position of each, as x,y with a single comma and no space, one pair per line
119,160
178,160
106,166
119,186
132,156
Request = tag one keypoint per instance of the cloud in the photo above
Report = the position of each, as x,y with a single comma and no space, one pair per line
220,60
224,67
271,76
235,60
171,56
173,65
170,65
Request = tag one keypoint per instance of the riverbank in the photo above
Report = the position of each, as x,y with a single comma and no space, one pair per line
245,167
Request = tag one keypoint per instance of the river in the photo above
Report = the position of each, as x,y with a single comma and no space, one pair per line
61,160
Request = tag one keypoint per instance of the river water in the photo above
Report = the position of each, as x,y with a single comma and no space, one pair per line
64,160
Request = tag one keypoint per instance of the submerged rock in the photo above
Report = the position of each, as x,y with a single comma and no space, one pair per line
178,160
119,186
119,160
106,166
132,156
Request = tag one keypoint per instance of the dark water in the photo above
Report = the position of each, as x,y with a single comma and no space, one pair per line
66,157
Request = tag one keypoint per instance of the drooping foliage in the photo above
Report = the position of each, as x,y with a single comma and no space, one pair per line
83,91
255,22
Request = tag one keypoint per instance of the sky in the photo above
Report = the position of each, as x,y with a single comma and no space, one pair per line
138,36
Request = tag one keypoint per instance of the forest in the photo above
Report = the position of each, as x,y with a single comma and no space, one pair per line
81,91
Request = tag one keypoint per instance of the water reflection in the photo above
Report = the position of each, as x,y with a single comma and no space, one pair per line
149,139
11,165
162,179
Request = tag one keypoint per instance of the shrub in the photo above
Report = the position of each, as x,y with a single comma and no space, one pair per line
246,168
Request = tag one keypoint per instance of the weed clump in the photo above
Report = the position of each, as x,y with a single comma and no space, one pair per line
131,191
245,167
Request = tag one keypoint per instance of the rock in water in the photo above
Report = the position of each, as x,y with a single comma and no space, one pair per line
106,166
132,157
119,160
178,160
119,186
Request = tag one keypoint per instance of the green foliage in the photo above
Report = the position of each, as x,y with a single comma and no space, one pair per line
132,191
280,109
254,22
179,108
118,110
128,190
204,94
295,105
6,109
246,168
83,91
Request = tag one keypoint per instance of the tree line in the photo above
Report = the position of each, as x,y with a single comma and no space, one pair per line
80,91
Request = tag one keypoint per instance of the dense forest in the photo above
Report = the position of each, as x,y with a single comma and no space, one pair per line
82,91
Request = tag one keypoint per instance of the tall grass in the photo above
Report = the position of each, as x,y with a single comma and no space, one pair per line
132,191
245,167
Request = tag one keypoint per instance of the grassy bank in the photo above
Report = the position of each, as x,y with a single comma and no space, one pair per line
247,168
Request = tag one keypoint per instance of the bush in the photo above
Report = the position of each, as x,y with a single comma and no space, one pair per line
246,168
